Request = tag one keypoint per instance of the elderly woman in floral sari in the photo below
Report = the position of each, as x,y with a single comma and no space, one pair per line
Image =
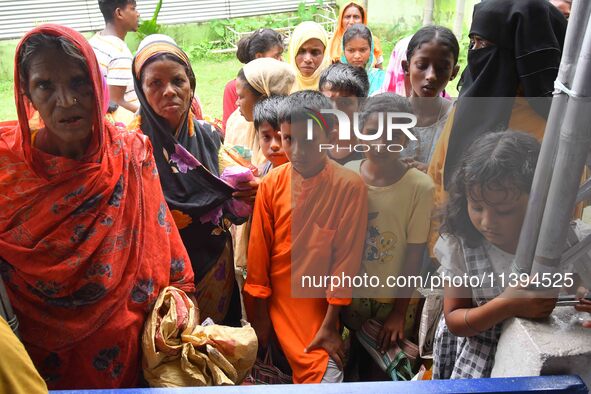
86,239
187,156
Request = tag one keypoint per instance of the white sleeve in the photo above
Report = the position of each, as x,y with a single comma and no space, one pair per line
119,69
449,254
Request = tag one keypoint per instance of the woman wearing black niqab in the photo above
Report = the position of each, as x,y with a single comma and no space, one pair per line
526,39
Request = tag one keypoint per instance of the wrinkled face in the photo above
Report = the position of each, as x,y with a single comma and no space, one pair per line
246,99
310,56
168,90
351,16
130,16
61,90
498,215
378,152
270,143
357,51
304,154
276,53
431,67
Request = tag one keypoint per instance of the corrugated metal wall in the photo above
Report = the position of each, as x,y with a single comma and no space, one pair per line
19,16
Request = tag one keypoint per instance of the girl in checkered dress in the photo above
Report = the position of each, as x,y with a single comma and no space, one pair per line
487,203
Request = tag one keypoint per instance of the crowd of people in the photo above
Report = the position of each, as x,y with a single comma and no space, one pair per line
114,188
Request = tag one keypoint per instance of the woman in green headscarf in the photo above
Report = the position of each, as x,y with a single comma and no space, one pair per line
358,50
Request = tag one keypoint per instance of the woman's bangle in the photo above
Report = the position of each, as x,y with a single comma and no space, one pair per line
468,324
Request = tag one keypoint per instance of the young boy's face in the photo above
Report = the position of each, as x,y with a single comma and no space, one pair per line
305,155
130,17
379,151
270,143
343,100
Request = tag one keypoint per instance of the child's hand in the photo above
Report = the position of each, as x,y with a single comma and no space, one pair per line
250,190
391,332
331,341
412,163
529,304
419,166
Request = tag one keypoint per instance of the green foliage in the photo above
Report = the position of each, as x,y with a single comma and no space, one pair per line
213,71
306,13
151,26
223,37
444,10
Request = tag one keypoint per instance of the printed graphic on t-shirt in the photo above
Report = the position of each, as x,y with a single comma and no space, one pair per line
379,246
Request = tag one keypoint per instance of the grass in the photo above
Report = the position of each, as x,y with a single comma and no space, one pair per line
7,108
212,76
213,73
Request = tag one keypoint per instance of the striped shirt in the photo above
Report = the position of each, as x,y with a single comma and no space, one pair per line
114,58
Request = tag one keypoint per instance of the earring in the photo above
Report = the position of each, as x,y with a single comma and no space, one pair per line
75,100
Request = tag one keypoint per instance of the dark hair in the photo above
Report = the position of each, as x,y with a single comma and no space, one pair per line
357,30
384,102
36,43
266,110
242,77
260,41
169,56
359,7
345,78
501,161
441,35
108,7
304,105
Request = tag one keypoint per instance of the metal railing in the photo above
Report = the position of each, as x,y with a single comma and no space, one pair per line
565,147
325,17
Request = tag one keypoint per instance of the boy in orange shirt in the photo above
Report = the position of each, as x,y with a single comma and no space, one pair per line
309,220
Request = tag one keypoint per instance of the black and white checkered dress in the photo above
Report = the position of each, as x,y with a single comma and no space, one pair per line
469,357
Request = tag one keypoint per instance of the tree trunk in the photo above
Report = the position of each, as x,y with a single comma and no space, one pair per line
459,20
428,12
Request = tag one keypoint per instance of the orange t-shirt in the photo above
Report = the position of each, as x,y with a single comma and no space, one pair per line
326,217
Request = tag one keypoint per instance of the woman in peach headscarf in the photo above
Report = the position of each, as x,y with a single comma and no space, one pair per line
258,79
351,13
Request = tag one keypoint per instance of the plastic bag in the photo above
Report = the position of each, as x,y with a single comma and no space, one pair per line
432,310
177,352
233,176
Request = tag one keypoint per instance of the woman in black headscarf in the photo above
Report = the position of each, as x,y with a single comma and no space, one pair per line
186,154
516,48
513,61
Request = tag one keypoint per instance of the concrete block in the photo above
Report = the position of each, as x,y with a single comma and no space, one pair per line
558,345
